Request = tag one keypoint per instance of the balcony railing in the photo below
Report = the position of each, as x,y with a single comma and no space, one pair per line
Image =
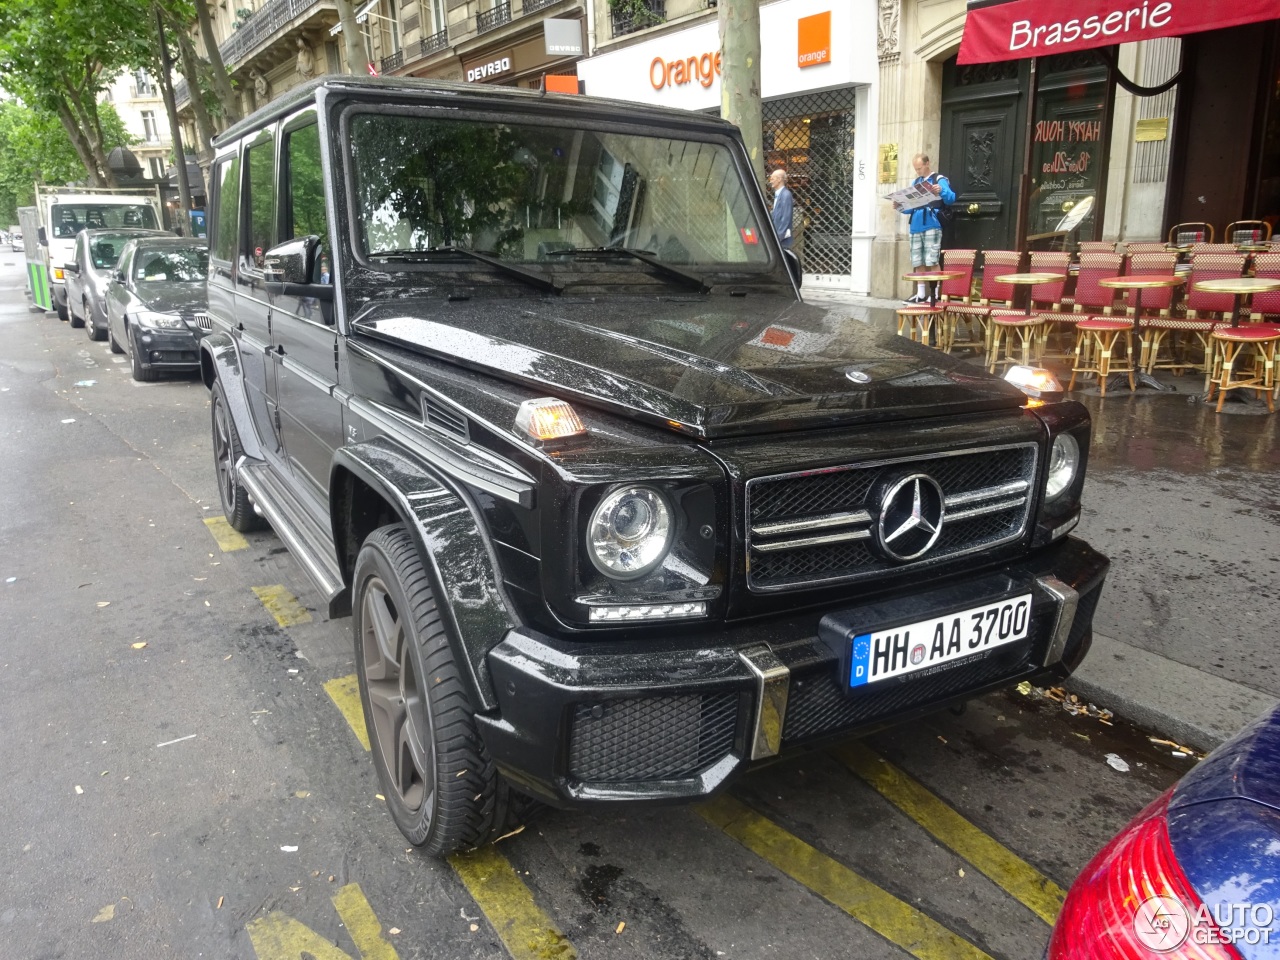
533,6
144,93
434,43
494,18
651,13
255,32
392,63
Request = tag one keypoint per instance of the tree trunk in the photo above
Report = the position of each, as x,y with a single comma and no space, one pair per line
351,37
191,70
221,82
81,144
175,129
84,114
740,83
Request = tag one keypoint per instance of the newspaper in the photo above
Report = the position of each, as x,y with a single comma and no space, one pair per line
909,198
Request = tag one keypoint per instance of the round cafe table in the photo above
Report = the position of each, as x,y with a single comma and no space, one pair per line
1030,280
1137,284
931,279
931,314
1240,286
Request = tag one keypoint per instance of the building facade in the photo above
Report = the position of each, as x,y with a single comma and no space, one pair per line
135,95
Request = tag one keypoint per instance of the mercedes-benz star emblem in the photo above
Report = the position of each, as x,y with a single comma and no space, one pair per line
857,376
911,515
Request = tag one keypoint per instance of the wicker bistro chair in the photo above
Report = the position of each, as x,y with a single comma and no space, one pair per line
1229,343
1203,311
993,295
1185,234
958,290
1146,246
1095,344
1095,246
1266,306
1199,249
1031,333
1096,339
1248,232
1157,301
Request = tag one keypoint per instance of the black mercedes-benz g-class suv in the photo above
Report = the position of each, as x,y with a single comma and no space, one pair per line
526,384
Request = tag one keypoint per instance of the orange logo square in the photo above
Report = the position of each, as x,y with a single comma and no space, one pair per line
814,46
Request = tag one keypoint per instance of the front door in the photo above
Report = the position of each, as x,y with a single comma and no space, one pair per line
982,124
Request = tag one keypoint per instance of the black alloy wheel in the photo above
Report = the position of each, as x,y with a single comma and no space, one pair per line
141,371
236,506
441,787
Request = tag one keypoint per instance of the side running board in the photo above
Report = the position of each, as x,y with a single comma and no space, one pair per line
310,544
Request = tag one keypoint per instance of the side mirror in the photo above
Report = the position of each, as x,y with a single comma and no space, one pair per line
292,261
118,276
71,268
793,267
42,237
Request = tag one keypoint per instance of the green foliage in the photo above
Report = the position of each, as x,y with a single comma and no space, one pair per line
639,13
34,148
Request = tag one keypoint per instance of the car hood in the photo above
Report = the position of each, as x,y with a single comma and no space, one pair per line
727,366
183,298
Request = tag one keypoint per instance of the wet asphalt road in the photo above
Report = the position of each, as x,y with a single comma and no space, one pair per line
154,794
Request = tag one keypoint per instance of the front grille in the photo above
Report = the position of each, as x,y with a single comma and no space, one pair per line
818,526
818,705
203,321
651,738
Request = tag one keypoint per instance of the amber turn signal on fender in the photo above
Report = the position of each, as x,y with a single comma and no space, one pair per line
548,419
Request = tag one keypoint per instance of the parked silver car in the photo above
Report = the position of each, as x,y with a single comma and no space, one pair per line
96,254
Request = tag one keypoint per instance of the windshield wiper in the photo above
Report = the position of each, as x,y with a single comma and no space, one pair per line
644,256
531,277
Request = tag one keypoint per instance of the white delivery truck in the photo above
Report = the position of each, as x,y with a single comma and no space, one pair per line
65,211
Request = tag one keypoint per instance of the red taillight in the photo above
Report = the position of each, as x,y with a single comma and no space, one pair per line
1100,919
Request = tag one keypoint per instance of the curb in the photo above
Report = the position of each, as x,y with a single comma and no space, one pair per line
1161,695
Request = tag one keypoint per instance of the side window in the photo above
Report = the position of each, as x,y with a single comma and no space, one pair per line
227,183
261,207
305,196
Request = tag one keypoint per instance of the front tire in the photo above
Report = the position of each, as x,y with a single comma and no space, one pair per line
141,371
89,326
441,787
62,311
115,347
76,322
236,506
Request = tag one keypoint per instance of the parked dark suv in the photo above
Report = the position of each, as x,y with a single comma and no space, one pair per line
525,383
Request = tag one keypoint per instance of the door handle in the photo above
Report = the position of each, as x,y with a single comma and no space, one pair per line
974,208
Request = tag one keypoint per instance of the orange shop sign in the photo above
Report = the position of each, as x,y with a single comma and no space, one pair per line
676,73
813,41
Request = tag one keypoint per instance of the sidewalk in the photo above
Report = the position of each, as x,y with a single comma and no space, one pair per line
1183,500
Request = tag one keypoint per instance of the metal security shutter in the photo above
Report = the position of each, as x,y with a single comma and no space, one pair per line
811,137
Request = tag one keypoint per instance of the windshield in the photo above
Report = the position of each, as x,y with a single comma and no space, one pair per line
68,219
105,250
528,193
183,265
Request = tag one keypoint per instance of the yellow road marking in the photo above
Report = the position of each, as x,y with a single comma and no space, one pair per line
1015,876
896,921
524,929
345,693
280,937
282,605
364,927
227,536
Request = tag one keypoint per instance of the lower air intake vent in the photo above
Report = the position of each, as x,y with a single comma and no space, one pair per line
652,738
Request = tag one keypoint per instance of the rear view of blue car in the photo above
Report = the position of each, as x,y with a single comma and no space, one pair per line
1196,874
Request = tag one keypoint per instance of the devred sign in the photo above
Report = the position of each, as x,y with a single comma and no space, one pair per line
813,44
1019,29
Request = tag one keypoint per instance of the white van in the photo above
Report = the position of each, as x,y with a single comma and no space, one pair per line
65,211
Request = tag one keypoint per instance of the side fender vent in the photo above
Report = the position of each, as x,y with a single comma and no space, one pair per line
445,420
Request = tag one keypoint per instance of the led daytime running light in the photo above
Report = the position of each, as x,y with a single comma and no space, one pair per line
654,611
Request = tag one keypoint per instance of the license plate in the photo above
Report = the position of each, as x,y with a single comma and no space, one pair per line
929,645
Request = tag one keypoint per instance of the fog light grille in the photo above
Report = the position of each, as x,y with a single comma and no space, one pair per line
651,738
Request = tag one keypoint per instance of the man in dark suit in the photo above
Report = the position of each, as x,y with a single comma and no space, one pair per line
783,207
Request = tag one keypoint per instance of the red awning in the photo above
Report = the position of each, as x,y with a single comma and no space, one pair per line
1017,29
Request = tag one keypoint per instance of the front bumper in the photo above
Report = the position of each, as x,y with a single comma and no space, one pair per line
583,723
168,349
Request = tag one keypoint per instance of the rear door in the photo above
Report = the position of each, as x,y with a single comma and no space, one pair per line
303,334
252,325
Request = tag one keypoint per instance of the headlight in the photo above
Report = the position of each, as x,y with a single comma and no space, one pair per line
1064,461
163,321
630,532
